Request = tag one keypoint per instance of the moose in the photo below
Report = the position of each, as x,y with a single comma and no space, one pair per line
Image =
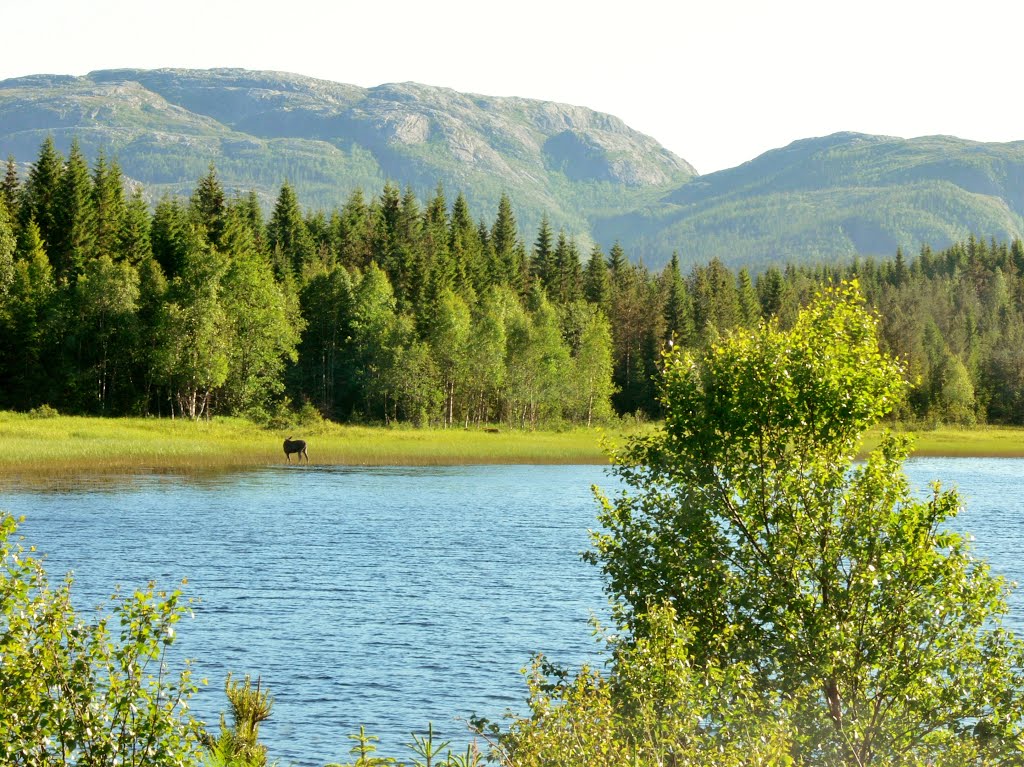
295,446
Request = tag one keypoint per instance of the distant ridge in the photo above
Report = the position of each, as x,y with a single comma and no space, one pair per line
165,127
838,196
826,198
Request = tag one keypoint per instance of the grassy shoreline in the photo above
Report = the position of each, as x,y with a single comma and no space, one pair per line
68,445
76,444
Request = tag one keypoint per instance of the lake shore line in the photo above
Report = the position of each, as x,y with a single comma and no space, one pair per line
76,444
79,444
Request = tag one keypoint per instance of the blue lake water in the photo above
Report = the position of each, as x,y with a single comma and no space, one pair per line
387,597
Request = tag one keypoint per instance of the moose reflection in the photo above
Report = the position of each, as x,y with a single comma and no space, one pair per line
295,446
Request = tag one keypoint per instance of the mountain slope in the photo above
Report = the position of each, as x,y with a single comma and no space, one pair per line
817,199
834,197
166,126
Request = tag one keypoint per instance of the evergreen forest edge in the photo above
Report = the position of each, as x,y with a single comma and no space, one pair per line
396,310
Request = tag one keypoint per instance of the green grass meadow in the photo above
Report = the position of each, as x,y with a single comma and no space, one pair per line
69,445
72,444
977,442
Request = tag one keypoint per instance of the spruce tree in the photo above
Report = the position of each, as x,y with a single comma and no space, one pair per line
618,265
749,305
568,282
252,215
678,311
771,292
75,218
209,208
505,266
8,245
133,237
10,188
170,234
109,206
287,236
353,233
716,304
596,286
899,272
445,272
542,268
465,248
40,193
386,251
410,260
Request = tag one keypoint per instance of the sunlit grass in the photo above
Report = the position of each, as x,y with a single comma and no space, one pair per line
979,442
71,445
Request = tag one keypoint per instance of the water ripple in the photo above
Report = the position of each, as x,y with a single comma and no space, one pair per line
388,597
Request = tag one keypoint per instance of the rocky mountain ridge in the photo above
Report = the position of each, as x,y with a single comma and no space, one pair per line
328,138
824,198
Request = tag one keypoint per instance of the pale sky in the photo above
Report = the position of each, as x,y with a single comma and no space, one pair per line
717,82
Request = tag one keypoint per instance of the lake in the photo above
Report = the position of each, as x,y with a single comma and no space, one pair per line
387,597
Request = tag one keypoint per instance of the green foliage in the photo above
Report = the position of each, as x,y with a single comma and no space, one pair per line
43,411
425,749
449,341
208,208
8,244
224,313
426,752
74,234
40,193
845,596
106,298
655,707
237,744
27,320
262,327
288,238
363,749
109,208
87,692
192,359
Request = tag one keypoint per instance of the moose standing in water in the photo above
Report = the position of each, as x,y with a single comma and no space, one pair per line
295,446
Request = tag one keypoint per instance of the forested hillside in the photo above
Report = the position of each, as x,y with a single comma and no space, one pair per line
830,198
392,308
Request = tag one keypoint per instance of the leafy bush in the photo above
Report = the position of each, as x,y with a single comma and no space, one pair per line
43,411
655,708
846,596
83,692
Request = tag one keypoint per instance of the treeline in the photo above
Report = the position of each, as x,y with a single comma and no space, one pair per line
396,309
386,309
953,317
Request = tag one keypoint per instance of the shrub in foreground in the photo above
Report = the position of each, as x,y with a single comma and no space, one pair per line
87,693
846,596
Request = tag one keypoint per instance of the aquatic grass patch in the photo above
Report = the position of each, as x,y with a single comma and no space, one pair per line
384,446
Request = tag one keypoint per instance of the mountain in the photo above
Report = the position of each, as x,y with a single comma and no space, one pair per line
817,199
165,126
839,196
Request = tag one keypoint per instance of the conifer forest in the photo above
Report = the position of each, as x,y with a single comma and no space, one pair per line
398,309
